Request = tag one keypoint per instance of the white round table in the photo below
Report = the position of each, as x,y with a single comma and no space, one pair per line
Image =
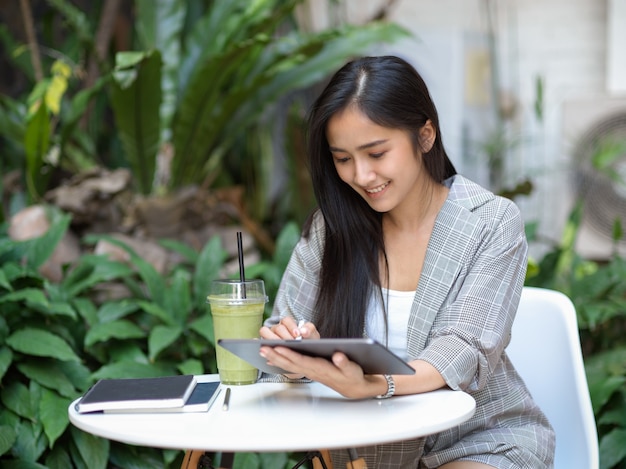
276,417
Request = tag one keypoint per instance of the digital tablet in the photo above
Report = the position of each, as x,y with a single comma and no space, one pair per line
372,356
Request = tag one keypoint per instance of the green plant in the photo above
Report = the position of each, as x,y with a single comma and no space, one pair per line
195,95
56,340
41,369
598,292
213,79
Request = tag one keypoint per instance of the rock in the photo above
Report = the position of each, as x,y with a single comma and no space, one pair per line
148,250
33,222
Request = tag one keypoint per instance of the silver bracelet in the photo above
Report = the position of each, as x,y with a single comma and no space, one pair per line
391,388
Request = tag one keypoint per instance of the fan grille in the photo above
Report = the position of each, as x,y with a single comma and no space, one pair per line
604,198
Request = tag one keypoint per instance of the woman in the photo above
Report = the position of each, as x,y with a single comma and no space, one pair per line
407,252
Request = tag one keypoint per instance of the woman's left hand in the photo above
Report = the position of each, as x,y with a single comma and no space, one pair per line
340,374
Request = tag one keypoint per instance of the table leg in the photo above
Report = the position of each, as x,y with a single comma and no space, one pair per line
198,459
355,461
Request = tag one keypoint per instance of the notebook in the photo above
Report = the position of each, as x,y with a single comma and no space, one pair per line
137,393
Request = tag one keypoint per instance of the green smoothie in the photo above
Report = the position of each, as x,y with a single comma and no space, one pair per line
235,320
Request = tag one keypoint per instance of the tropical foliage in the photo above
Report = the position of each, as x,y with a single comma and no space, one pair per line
197,80
55,341
598,291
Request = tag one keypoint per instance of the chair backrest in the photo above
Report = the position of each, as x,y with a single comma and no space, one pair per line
545,350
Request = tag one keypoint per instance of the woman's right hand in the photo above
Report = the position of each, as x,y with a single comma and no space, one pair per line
288,329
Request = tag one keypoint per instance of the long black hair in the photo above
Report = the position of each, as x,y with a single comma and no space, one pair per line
391,93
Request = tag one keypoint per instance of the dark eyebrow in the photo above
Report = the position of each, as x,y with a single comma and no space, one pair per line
365,146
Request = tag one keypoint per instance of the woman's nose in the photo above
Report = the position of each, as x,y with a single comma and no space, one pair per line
363,172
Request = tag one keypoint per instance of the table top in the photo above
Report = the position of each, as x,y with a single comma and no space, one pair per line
276,417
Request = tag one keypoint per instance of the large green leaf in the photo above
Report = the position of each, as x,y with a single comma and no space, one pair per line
152,279
178,299
49,375
208,267
53,414
17,398
7,438
162,337
155,310
6,357
30,296
77,373
37,342
131,369
93,270
36,144
185,250
4,282
119,329
204,326
86,309
606,375
192,366
31,442
159,26
199,119
113,310
613,449
136,99
94,451
58,458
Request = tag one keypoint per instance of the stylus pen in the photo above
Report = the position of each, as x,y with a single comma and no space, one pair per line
226,403
300,324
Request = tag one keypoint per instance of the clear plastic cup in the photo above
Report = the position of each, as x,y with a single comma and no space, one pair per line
237,310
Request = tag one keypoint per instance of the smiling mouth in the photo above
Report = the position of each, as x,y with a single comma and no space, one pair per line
377,189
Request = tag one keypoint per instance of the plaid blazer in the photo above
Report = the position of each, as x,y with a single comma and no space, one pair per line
460,322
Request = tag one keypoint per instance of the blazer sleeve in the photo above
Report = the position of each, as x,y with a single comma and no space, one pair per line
297,293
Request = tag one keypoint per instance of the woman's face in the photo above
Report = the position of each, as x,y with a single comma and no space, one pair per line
379,163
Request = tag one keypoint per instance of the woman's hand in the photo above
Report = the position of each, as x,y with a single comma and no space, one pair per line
288,329
340,374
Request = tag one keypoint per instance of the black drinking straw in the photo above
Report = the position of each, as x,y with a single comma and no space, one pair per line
242,274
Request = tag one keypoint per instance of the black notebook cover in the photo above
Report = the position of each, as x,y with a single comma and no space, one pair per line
137,393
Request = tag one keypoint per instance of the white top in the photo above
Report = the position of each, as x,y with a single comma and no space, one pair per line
398,306
276,417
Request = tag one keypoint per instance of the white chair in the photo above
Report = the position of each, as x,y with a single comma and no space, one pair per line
545,349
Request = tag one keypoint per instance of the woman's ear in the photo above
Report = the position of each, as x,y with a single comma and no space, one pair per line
427,136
